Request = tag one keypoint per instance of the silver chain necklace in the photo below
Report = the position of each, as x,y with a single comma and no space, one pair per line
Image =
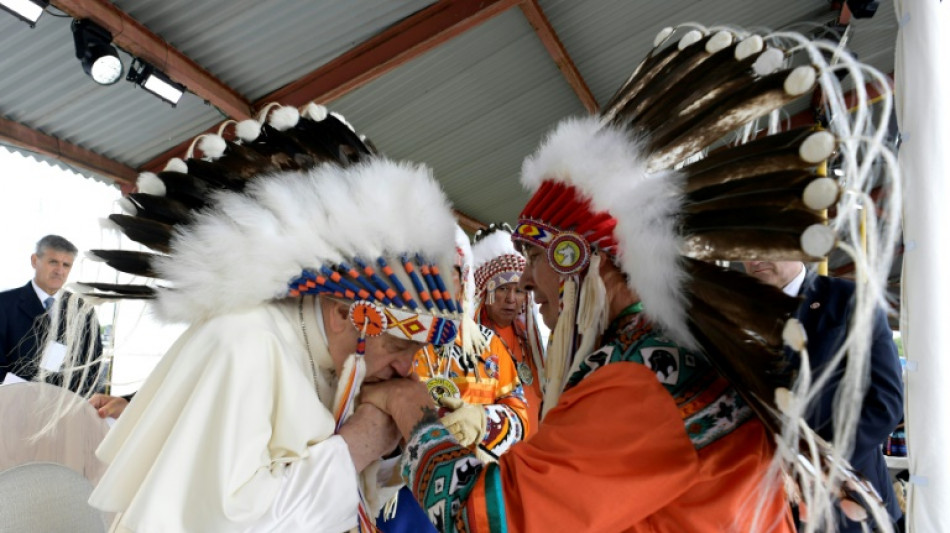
306,340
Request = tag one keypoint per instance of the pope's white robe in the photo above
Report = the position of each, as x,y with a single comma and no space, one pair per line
229,434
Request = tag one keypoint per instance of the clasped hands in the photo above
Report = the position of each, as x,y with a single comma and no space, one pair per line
406,400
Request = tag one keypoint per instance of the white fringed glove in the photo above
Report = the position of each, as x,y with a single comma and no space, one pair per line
466,422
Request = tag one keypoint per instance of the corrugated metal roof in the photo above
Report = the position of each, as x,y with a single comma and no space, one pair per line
472,109
44,87
255,46
259,46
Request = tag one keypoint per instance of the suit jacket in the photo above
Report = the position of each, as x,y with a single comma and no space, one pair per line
23,324
825,314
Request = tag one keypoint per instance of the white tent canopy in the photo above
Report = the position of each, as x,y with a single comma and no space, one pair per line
923,113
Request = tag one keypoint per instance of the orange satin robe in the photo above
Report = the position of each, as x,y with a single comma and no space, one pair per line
493,382
532,392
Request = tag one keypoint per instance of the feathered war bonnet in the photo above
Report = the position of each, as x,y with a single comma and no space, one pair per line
296,204
625,183
497,262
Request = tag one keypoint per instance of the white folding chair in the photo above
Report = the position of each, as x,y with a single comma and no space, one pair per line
26,410
47,498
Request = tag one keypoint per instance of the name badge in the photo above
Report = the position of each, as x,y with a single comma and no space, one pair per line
53,357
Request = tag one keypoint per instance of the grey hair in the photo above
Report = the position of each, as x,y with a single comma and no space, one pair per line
55,242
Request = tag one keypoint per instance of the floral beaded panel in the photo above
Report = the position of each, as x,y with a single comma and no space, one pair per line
710,407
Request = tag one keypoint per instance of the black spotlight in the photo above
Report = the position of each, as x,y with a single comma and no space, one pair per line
99,58
155,81
28,11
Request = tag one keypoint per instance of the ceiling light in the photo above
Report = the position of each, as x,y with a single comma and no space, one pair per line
155,81
99,58
28,11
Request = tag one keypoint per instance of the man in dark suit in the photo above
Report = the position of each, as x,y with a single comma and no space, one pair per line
25,320
825,313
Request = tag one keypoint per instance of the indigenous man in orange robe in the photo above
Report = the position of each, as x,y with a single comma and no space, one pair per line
666,394
503,306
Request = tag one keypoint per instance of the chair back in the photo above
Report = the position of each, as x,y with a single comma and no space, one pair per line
29,434
48,498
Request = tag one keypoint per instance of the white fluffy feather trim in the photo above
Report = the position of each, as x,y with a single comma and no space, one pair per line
314,112
650,252
463,248
212,146
150,184
127,206
176,164
247,130
283,118
246,248
494,245
605,165
601,161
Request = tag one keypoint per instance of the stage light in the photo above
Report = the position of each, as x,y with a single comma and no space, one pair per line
28,11
99,58
155,82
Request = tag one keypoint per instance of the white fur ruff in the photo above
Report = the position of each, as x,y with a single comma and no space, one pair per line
249,246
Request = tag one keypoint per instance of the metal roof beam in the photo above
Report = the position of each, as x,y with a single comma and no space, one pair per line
33,140
542,26
402,42
467,222
395,46
133,37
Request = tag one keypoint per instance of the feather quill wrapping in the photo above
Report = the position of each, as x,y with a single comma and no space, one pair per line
676,139
176,186
645,71
155,235
159,208
128,261
769,154
116,291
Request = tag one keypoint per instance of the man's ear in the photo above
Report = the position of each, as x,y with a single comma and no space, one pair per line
338,314
33,260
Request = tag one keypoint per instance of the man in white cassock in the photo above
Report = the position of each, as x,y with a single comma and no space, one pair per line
296,294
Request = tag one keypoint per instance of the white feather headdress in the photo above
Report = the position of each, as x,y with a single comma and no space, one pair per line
636,182
297,203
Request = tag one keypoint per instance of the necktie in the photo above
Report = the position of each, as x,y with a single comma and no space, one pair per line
47,303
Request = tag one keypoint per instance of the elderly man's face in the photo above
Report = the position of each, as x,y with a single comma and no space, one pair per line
507,305
541,279
52,269
775,273
388,356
